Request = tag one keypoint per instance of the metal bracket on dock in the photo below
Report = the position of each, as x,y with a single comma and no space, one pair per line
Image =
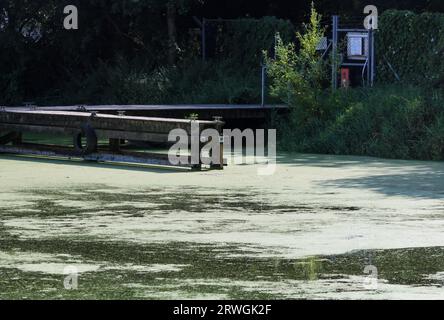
81,109
30,105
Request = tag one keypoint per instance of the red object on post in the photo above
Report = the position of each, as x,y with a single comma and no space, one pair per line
345,77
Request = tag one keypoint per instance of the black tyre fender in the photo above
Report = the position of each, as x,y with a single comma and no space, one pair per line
86,131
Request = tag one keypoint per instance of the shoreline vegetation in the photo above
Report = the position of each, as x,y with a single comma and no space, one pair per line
398,118
394,119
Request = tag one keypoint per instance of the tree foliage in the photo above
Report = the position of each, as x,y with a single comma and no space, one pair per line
40,61
298,73
412,46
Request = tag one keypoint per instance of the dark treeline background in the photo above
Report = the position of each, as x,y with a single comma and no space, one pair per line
297,11
147,51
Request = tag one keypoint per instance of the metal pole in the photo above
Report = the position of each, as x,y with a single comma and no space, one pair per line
264,74
369,58
334,74
373,61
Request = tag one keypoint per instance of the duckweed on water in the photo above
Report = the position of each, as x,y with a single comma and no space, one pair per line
124,269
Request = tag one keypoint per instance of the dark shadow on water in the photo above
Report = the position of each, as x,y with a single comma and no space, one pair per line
341,161
419,179
99,165
419,184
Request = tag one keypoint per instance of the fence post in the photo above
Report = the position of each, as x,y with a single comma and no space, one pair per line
334,73
264,75
372,57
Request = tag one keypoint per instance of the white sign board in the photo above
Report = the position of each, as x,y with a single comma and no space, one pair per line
355,46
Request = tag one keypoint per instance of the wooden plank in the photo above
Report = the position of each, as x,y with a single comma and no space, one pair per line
130,135
85,115
60,152
101,155
74,120
155,107
37,129
101,134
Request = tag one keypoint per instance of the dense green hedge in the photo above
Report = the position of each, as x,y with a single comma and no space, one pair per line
414,45
391,121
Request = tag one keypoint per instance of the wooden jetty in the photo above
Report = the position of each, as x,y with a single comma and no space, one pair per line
88,128
204,111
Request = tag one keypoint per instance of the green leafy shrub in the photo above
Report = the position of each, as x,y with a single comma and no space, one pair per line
297,75
299,78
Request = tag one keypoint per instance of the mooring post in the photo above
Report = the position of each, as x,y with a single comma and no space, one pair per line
196,145
116,143
198,167
219,128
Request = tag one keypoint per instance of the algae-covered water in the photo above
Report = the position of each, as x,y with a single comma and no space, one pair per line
309,231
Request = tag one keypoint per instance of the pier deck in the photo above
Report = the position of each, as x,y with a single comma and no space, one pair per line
87,128
204,111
